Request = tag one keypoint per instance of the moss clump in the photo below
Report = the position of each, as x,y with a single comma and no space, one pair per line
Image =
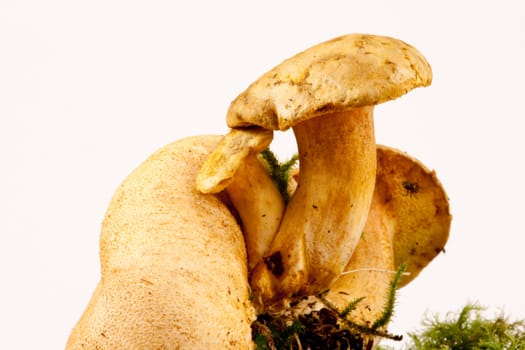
469,329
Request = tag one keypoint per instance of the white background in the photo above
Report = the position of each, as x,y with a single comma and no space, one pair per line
88,89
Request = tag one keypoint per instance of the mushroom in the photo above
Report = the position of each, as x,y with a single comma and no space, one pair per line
409,222
249,188
173,263
326,94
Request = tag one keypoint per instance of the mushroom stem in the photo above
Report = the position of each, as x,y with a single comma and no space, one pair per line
325,217
402,228
259,205
368,270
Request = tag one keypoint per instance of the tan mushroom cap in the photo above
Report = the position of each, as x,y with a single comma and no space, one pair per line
349,71
416,202
218,170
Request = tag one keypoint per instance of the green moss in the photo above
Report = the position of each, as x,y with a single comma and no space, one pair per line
351,307
469,329
388,310
279,171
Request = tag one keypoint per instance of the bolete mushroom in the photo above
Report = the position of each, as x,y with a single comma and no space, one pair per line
326,94
408,223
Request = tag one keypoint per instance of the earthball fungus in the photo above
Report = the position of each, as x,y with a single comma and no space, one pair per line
326,94
173,262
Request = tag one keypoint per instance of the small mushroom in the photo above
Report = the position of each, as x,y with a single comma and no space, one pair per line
326,94
236,168
259,204
402,227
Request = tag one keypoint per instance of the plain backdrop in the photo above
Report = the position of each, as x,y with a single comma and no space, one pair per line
88,89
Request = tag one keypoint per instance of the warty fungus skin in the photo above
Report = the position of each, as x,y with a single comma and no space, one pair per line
173,263
326,94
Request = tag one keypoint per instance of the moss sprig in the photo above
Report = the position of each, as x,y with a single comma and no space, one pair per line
382,320
364,329
388,309
279,171
351,307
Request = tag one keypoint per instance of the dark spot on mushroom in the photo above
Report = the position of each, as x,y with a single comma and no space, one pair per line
439,250
412,251
274,263
314,206
411,188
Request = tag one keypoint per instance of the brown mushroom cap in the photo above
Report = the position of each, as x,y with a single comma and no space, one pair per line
413,197
350,71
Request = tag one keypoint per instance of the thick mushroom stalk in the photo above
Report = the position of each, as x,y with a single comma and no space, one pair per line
326,214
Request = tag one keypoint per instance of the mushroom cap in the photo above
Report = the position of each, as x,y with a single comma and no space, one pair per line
413,198
349,71
218,170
